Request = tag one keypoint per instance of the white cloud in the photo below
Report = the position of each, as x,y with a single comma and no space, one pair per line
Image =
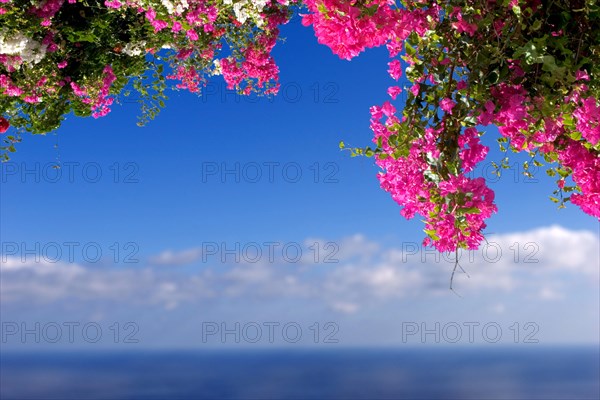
171,258
365,274
345,308
352,247
499,308
44,282
548,293
554,248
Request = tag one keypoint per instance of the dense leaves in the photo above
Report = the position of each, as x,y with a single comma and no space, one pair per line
58,57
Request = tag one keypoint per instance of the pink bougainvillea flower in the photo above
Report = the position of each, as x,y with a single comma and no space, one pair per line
4,125
112,4
394,91
447,105
582,76
415,89
395,69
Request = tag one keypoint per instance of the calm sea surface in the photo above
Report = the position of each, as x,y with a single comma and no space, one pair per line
481,373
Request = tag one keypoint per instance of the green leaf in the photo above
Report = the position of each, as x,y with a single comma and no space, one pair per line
470,210
432,234
493,77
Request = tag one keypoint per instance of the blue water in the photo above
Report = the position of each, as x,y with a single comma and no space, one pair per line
475,373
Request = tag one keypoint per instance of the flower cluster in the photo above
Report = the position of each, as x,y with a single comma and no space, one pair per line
466,66
81,56
18,49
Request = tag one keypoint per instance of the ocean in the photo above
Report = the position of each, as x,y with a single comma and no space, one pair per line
416,373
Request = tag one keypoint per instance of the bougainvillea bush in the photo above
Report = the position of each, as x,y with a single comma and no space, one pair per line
529,67
59,56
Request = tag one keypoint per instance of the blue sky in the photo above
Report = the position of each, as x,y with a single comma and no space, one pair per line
161,201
